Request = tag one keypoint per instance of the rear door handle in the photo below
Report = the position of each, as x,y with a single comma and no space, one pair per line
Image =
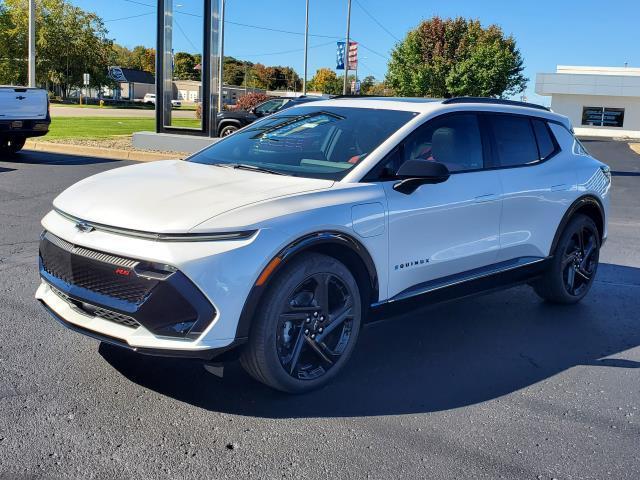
489,197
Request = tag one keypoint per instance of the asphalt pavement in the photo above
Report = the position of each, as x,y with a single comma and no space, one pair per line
496,386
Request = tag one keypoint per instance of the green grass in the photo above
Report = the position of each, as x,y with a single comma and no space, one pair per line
104,127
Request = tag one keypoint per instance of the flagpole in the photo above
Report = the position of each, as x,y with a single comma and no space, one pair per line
32,44
221,65
306,50
346,50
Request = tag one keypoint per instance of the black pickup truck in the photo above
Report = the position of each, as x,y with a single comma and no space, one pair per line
231,120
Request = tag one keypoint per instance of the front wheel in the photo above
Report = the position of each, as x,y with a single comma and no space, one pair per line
307,325
227,130
574,263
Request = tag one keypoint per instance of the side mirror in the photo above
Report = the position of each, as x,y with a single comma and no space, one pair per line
414,173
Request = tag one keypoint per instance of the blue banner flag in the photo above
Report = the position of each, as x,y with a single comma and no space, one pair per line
340,56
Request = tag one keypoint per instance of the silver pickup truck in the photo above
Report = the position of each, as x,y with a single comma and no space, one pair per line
24,113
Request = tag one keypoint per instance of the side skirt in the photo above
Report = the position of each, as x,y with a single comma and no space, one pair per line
475,282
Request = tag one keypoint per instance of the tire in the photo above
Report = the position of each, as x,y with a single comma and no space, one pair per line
575,262
16,144
228,130
298,341
11,145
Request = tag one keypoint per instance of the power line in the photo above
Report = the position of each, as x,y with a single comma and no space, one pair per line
130,16
184,34
376,21
259,27
368,68
360,44
283,51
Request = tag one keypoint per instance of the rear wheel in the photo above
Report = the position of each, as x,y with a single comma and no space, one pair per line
574,263
307,326
12,145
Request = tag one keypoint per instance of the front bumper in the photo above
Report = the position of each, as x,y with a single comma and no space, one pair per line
199,354
223,271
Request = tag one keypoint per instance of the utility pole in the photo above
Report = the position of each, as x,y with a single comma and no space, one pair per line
346,50
32,43
306,50
221,69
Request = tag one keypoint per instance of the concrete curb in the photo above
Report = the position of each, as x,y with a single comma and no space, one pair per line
99,152
635,147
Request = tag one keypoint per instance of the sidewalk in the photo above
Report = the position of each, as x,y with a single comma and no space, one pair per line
100,152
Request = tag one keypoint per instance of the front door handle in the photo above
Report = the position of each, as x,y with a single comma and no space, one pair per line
489,197
559,187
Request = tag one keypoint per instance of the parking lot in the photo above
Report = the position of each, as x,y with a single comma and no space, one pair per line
496,386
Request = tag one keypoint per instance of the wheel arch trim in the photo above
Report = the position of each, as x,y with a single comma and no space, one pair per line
305,243
589,201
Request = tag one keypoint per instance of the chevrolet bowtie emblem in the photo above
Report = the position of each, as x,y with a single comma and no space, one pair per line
84,227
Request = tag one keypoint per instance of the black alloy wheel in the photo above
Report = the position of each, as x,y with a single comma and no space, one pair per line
306,326
574,264
579,260
315,326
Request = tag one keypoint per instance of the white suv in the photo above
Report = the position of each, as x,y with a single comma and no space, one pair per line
276,243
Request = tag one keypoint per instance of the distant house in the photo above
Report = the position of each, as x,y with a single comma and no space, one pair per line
132,84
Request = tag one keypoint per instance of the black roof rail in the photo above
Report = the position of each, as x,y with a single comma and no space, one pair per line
493,101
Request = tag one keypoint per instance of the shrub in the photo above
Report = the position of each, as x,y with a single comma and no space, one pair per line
250,100
199,111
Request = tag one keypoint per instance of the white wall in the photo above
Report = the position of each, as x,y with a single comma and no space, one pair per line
571,106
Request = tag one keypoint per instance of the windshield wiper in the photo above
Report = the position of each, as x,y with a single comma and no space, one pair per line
254,168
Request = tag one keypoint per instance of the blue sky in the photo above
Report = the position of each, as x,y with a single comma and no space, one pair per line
548,33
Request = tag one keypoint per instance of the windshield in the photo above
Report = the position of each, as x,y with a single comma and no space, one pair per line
307,141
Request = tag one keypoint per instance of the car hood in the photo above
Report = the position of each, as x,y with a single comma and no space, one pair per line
173,196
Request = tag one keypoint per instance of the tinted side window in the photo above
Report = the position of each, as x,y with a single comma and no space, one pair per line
515,142
546,146
453,140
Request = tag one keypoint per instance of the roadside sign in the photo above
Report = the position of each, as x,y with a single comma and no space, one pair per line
86,78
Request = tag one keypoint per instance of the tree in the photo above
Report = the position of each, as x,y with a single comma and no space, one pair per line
140,58
234,71
326,81
69,42
456,57
184,67
366,84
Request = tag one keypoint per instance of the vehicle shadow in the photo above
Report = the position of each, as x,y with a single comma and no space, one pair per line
45,158
5,170
449,356
625,174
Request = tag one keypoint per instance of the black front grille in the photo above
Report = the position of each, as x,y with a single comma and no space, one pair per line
96,271
89,309
130,292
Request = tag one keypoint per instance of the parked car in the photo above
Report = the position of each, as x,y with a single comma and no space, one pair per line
276,244
24,113
150,99
230,121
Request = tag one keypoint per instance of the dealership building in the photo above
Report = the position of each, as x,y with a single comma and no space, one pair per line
599,101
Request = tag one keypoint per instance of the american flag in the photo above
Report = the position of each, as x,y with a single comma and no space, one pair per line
353,56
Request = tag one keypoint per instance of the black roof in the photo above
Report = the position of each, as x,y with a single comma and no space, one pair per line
494,101
131,75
